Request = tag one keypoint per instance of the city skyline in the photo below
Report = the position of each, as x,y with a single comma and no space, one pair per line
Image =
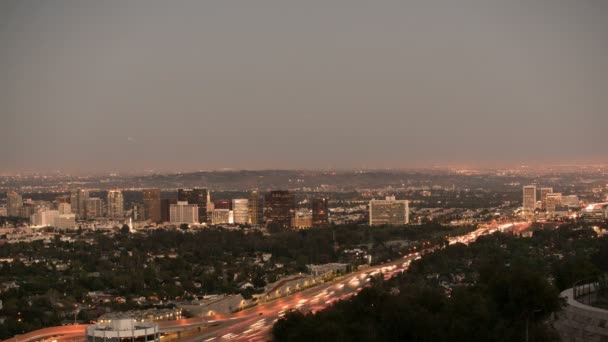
198,86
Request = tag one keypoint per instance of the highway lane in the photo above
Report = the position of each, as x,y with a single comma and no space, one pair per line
259,320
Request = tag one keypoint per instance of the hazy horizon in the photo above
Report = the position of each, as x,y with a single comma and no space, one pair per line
100,86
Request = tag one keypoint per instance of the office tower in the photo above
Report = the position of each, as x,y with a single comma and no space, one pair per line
14,202
44,218
596,212
571,201
66,221
553,200
279,208
64,208
389,212
152,205
529,202
255,209
74,202
28,209
210,205
196,196
320,212
116,204
240,207
182,212
222,204
220,216
93,208
78,200
302,220
62,199
165,205
543,196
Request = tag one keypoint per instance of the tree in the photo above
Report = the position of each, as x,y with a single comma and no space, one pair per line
124,230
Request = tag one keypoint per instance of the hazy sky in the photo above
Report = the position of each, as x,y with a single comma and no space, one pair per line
133,85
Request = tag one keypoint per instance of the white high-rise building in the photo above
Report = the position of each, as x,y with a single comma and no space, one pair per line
240,207
389,212
182,212
529,202
44,218
220,216
66,221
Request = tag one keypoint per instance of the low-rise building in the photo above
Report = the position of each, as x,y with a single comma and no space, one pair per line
214,305
327,269
150,315
123,330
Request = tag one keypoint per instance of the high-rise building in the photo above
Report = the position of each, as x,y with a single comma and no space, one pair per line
66,221
255,209
279,208
529,202
14,202
29,208
78,200
165,205
64,208
116,204
210,205
222,204
389,212
552,201
93,208
182,212
152,205
196,196
240,207
543,196
44,218
571,201
320,212
302,220
220,216
62,199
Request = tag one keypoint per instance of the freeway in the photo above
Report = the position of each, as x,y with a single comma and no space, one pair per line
257,322
254,324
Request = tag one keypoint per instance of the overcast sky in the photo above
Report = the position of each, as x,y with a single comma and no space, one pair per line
166,85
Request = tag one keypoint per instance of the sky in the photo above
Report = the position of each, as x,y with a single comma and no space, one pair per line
196,85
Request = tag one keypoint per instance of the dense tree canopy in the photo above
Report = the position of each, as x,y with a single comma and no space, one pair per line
501,288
